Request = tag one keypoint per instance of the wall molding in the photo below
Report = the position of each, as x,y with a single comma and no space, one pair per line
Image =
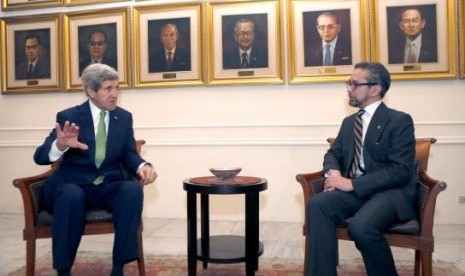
266,134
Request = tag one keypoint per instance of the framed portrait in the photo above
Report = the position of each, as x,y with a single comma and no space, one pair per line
244,42
29,4
99,36
415,40
462,37
326,38
87,2
30,54
168,45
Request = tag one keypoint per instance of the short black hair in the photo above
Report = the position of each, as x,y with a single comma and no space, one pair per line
378,74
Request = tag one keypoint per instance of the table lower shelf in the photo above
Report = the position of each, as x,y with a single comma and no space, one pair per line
226,249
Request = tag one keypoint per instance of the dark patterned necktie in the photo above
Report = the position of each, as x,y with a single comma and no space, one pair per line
244,61
169,60
30,70
358,133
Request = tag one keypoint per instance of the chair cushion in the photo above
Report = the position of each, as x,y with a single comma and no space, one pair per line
411,227
95,215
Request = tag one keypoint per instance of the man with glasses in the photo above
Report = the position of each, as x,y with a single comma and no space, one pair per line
96,47
36,65
414,46
330,49
370,177
245,54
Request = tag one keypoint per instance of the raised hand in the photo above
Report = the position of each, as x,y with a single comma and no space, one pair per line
68,136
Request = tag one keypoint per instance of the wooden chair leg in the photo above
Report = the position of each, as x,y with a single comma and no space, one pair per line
417,263
426,263
30,256
140,261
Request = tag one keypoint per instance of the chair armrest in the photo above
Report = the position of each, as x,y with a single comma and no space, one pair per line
312,183
427,215
31,202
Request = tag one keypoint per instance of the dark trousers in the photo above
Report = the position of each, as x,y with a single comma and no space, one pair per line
123,199
370,219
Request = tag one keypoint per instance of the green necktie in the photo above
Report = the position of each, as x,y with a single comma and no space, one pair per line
100,144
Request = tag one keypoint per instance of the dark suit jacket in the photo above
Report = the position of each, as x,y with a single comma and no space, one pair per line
105,60
258,58
78,166
389,157
41,70
428,51
342,53
181,61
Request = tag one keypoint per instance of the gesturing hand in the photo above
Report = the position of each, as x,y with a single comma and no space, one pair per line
68,136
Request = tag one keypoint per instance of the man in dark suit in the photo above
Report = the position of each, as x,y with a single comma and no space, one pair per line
377,190
245,54
332,49
171,57
90,171
97,47
413,46
36,65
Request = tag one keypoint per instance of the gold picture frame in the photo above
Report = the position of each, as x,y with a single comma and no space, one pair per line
182,26
436,58
30,50
88,2
9,5
462,37
263,23
349,39
110,26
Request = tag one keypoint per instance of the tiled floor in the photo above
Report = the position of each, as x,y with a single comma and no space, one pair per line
168,237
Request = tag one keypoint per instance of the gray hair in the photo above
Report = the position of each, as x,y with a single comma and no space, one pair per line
94,74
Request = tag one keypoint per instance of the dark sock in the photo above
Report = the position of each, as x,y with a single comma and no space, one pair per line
64,272
117,270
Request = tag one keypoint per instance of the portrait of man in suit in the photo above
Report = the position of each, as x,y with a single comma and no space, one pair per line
246,51
96,47
412,37
36,62
168,54
327,41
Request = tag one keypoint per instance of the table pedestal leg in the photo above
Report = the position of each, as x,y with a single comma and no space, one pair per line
191,234
251,233
205,229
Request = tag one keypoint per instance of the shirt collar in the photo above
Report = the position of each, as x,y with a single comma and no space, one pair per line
371,108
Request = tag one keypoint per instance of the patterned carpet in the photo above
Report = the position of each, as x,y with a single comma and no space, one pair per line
98,264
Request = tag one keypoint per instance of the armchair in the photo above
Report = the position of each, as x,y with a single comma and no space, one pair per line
38,221
416,234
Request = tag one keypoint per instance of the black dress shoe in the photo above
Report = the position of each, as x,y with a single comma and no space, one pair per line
64,272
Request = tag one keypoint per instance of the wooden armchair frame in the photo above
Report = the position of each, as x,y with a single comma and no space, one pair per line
38,221
415,234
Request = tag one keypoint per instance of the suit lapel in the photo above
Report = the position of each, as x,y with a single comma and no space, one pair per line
377,124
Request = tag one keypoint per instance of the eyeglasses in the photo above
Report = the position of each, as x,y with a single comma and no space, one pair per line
97,43
328,27
353,84
244,33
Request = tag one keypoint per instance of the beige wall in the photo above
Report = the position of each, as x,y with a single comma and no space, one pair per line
273,131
